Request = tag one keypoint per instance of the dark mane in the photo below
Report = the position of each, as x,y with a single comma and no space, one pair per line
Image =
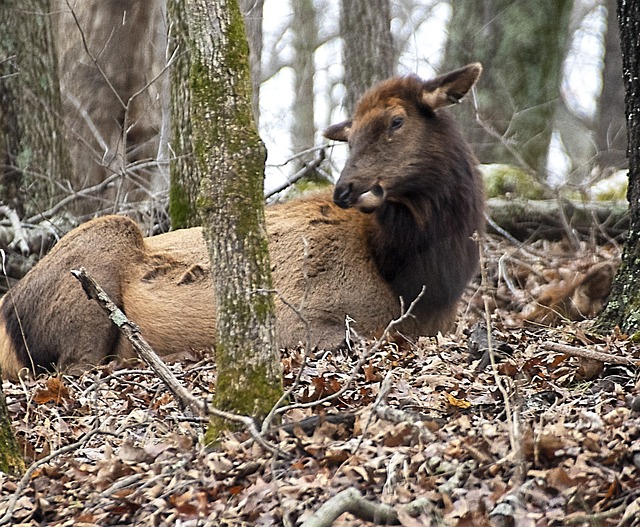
425,238
410,166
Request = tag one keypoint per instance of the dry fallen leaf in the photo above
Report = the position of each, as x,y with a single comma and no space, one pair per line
54,391
457,403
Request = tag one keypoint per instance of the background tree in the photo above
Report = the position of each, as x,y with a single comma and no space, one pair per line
521,48
33,153
368,52
305,37
623,305
252,11
185,173
231,156
610,132
112,56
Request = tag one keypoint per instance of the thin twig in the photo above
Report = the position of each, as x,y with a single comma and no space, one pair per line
24,481
304,171
385,388
307,349
590,354
363,358
497,135
512,427
15,310
85,44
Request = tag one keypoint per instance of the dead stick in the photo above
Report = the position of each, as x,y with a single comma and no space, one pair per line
590,354
140,345
351,500
146,353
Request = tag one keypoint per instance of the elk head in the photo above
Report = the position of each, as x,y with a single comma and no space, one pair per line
398,139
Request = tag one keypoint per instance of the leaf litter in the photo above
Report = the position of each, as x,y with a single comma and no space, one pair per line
546,439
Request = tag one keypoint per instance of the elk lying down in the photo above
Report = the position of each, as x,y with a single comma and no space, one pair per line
402,217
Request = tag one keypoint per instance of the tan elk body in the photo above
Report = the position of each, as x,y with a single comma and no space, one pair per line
402,217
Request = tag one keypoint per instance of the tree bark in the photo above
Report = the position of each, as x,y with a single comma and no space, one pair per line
369,53
611,137
229,151
252,11
623,305
11,461
32,149
521,48
185,176
303,130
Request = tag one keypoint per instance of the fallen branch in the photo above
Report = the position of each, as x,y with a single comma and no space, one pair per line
150,357
552,219
581,518
140,345
19,237
352,501
590,354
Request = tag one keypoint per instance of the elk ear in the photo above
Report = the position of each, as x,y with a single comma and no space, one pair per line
339,131
450,88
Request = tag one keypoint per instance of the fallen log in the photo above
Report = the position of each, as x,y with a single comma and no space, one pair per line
554,219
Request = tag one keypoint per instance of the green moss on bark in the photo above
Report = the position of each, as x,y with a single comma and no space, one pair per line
11,461
182,210
255,402
231,158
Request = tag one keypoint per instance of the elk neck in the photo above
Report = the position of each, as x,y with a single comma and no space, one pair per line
424,238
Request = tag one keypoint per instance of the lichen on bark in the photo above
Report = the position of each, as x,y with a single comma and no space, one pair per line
231,158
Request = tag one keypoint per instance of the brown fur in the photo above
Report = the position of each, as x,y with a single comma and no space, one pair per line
421,195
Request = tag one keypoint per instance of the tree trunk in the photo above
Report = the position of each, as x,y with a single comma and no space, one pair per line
369,53
229,151
32,150
185,175
252,11
111,54
305,39
611,137
623,305
11,461
521,48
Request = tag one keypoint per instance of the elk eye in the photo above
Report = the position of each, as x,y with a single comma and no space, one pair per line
396,123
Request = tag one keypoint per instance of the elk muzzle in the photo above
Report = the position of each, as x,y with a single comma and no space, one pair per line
345,196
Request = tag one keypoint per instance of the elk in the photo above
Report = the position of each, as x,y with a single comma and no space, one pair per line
402,217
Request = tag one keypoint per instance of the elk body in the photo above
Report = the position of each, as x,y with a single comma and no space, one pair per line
402,217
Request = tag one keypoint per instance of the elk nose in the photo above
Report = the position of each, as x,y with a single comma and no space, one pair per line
341,195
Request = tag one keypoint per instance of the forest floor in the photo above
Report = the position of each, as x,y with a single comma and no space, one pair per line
424,433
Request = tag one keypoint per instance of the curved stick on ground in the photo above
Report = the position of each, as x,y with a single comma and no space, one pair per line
146,353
